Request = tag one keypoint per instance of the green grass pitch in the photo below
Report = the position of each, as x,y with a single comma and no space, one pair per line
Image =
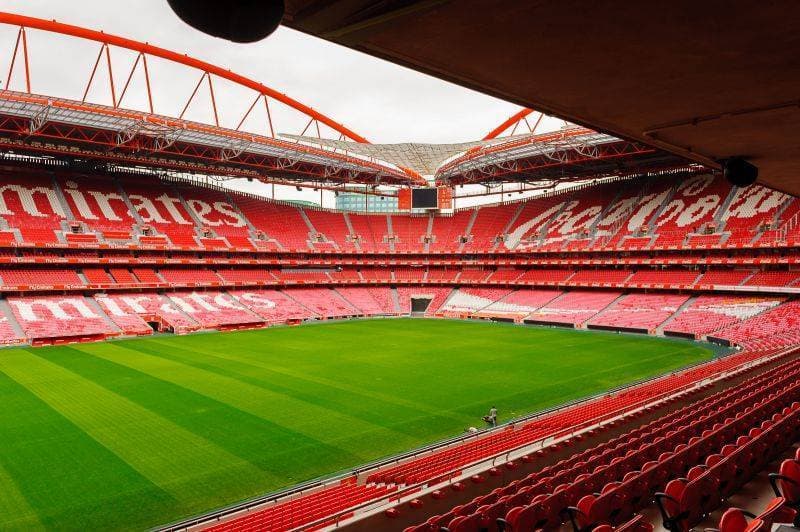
136,433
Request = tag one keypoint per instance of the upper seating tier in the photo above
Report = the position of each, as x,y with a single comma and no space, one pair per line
700,211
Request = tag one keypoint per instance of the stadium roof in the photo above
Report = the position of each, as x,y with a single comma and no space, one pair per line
569,154
705,80
72,127
423,158
68,128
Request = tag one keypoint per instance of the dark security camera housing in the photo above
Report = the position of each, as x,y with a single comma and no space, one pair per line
238,21
739,172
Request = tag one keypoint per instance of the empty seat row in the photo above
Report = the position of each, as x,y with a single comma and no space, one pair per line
607,483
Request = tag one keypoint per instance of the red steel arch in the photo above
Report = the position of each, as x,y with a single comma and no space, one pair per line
510,121
517,120
570,153
147,49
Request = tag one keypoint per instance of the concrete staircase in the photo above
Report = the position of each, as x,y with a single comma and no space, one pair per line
582,325
396,300
468,229
685,305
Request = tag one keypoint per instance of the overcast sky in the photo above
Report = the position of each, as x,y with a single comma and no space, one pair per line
377,99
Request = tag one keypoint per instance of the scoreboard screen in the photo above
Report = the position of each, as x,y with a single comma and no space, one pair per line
424,198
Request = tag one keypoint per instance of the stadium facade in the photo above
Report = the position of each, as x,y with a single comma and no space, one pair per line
103,236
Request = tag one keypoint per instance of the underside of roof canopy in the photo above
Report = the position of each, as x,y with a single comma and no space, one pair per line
703,80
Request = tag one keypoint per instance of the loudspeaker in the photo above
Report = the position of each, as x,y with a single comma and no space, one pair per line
237,20
739,172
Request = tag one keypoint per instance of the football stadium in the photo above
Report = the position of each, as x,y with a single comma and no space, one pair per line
586,319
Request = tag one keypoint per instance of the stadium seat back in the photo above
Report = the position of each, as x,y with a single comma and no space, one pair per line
733,520
787,482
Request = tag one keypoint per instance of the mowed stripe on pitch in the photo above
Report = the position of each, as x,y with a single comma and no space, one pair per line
304,417
15,512
367,405
176,460
273,448
63,475
558,391
249,362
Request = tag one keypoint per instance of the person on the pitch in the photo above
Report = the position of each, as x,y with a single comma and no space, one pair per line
491,419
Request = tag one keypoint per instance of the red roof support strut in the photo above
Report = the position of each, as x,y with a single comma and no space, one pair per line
148,49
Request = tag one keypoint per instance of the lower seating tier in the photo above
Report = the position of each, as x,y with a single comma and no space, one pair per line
757,322
55,317
698,456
